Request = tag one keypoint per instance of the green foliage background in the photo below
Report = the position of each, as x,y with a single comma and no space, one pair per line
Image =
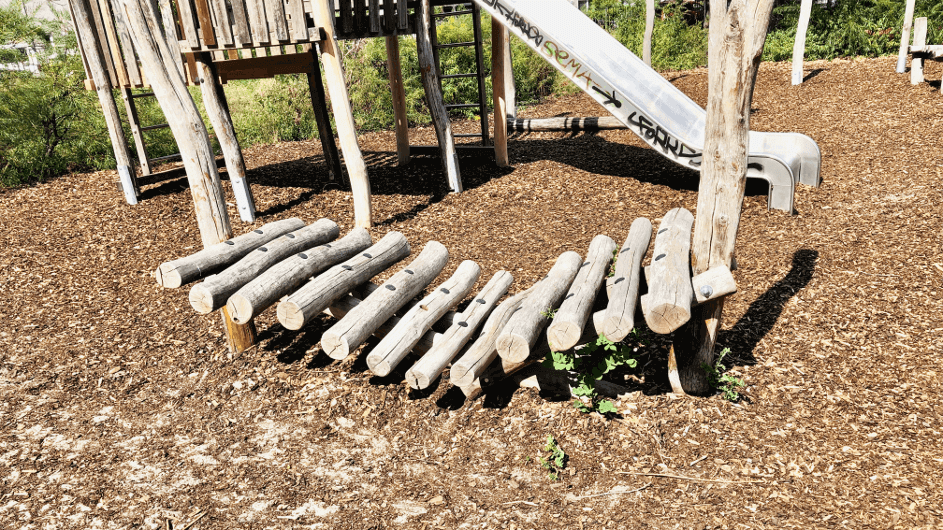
50,125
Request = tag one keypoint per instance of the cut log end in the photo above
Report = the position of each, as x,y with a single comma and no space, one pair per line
290,315
417,380
168,276
379,366
201,299
513,348
240,309
460,375
563,335
617,328
665,318
334,345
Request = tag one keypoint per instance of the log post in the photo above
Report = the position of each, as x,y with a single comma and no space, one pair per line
343,115
430,81
499,74
510,88
387,355
82,16
348,334
395,72
214,99
649,29
317,295
290,274
737,34
798,48
619,319
570,319
905,37
319,104
667,306
920,40
213,292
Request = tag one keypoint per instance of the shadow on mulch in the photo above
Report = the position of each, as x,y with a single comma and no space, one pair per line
763,313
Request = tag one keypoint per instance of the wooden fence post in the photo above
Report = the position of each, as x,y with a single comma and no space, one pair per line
798,48
737,34
905,36
187,126
82,16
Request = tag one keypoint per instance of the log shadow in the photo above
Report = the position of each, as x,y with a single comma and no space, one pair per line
812,74
743,337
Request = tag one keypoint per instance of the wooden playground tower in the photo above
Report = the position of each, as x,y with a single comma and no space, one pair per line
163,46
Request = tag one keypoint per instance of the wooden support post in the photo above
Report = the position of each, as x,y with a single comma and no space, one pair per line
214,292
620,311
343,115
352,330
214,99
319,103
184,119
920,40
395,72
430,81
798,48
290,274
737,34
571,318
649,30
499,67
905,37
82,16
387,355
510,88
317,295
667,306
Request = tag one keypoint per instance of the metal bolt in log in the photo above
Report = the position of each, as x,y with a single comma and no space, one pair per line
667,306
173,274
713,284
424,372
319,293
521,332
619,319
362,321
568,323
213,292
291,273
387,355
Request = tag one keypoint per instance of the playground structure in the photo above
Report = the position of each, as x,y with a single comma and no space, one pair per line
920,51
641,99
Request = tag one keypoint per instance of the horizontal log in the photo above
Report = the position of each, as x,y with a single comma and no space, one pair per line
927,51
285,277
351,331
319,293
479,356
623,296
667,306
713,284
387,355
564,124
341,307
428,368
173,274
213,292
521,332
570,319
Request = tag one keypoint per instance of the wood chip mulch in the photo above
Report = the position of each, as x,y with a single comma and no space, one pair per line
121,407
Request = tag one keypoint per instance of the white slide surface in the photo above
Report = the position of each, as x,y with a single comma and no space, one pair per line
648,104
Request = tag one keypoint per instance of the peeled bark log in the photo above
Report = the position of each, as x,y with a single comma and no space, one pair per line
568,323
623,298
667,306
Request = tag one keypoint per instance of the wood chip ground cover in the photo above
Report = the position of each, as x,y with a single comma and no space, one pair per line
121,408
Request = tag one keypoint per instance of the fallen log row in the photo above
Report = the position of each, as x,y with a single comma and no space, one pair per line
361,322
285,277
571,317
317,295
424,372
564,124
214,291
173,274
623,298
520,334
667,306
386,355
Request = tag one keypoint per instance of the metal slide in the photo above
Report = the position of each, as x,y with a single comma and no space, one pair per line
643,100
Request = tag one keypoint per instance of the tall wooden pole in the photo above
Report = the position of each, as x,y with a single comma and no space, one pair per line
737,34
499,67
798,48
343,115
649,29
395,70
905,36
187,126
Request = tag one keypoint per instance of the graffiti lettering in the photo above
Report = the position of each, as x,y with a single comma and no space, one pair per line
611,99
660,138
515,20
563,59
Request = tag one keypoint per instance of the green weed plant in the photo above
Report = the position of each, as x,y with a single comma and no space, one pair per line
728,385
556,459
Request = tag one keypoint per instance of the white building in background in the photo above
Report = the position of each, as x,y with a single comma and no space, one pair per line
30,52
41,8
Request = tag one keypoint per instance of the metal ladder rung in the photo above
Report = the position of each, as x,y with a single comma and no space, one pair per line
455,45
153,127
463,106
453,76
453,14
142,95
